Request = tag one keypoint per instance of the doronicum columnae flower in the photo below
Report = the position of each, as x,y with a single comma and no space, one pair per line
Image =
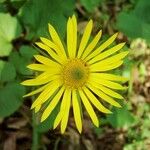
75,75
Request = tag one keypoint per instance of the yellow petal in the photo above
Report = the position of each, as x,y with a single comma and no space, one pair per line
36,91
46,61
37,108
74,46
102,47
46,94
57,120
95,101
109,92
49,51
99,68
55,37
85,38
47,75
70,37
62,109
52,45
103,96
76,111
114,59
89,108
37,67
40,80
93,79
110,77
52,105
107,53
92,45
65,117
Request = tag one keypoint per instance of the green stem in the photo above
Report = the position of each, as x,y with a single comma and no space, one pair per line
35,134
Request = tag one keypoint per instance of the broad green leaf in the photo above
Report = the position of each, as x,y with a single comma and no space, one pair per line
17,3
28,52
121,118
91,4
2,7
7,71
129,24
2,63
9,30
1,1
136,23
22,58
5,47
20,63
142,10
10,98
48,123
98,131
36,14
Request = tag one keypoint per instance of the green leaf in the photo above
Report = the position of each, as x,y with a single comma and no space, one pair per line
2,63
10,98
20,63
2,7
36,14
142,10
7,71
129,24
1,1
91,4
5,47
136,23
22,58
28,52
17,3
9,30
48,123
121,118
98,131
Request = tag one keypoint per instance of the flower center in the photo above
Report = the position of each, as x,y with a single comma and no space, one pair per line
75,73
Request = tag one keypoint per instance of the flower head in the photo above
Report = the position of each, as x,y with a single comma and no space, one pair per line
76,75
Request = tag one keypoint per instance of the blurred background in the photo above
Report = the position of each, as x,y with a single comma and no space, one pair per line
22,22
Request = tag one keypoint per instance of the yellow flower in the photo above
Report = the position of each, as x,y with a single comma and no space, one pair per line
76,74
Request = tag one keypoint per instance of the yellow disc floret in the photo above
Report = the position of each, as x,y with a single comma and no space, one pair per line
75,73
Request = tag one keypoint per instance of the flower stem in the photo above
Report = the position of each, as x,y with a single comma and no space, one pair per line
35,134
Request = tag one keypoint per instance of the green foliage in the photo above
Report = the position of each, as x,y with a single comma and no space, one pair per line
27,52
121,118
9,30
2,64
10,98
11,93
91,4
22,59
7,71
136,23
1,1
48,123
36,14
17,3
141,131
2,8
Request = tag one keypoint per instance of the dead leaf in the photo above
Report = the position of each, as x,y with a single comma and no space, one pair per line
16,123
10,142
